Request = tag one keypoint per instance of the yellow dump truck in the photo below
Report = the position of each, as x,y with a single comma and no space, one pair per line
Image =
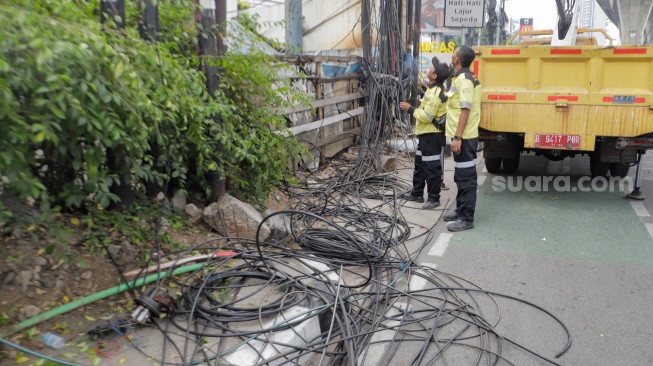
563,101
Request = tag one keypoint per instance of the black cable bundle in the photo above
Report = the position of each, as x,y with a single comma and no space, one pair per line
351,288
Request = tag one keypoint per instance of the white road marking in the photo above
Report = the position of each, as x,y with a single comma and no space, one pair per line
441,244
640,209
649,227
428,265
484,170
417,280
481,179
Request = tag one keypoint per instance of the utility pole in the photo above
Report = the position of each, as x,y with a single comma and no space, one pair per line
366,31
294,32
149,20
417,29
417,35
208,52
147,28
410,21
117,159
221,20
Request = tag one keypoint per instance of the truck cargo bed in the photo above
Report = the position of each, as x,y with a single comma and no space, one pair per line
578,91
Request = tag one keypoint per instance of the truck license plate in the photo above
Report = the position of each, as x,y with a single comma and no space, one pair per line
555,140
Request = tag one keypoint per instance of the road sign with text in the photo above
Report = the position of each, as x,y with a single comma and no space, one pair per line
464,13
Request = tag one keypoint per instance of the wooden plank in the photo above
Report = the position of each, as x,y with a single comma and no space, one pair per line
323,103
311,58
325,80
318,90
347,134
322,123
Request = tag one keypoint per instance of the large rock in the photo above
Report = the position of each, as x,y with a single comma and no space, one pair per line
179,201
279,225
387,164
194,213
234,218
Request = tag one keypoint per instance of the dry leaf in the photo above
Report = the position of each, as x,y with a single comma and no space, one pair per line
57,265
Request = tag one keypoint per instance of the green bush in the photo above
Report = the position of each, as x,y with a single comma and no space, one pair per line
70,90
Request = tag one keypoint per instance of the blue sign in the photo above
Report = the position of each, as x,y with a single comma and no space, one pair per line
623,99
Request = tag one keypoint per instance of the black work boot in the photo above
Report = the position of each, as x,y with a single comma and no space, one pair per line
460,225
430,205
451,216
409,197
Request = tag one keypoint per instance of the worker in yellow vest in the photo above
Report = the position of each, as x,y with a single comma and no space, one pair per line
432,109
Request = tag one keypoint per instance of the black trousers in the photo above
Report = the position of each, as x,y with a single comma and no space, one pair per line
466,179
428,168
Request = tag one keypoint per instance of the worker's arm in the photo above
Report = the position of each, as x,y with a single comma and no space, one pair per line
462,123
466,96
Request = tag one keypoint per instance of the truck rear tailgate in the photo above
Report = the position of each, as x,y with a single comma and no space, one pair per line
563,93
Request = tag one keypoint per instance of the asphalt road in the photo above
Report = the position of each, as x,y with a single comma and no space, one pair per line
578,249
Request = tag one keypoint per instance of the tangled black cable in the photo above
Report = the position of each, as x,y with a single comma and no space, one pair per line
345,286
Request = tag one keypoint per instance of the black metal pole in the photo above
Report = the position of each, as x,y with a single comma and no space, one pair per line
409,20
148,27
117,159
113,10
208,52
149,20
417,34
366,31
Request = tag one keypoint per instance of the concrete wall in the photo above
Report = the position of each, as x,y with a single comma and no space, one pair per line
327,25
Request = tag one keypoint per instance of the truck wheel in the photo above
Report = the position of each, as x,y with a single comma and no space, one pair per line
493,165
510,165
597,168
618,170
